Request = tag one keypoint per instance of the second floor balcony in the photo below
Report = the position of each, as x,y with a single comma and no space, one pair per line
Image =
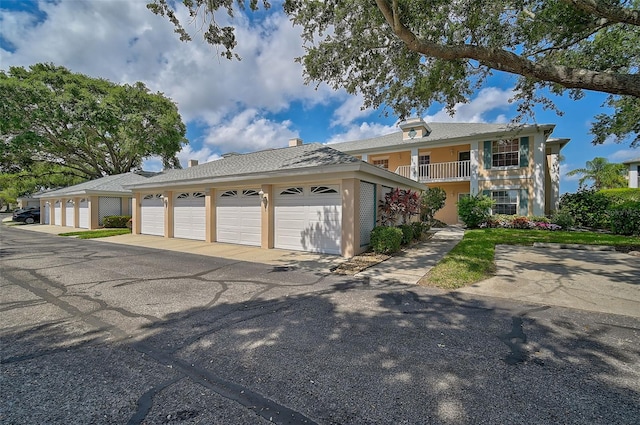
437,172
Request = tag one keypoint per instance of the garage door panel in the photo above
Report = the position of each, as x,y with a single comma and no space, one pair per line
239,217
308,220
83,214
152,215
189,216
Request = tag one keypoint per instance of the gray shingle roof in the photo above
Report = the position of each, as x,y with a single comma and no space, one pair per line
109,184
290,158
440,132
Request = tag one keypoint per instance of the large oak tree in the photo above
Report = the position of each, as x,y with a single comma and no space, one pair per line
82,126
406,54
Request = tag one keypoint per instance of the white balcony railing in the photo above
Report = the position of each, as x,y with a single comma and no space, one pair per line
439,171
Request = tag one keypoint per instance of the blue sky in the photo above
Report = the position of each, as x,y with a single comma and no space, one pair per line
256,103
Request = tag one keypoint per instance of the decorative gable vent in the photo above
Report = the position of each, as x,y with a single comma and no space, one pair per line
414,128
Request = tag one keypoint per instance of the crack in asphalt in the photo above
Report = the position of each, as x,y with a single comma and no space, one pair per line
256,402
253,401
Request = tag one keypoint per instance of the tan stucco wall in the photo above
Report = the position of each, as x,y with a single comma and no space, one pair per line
267,217
396,159
350,237
135,214
449,213
443,154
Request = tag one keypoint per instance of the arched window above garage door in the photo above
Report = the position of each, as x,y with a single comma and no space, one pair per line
250,192
229,194
292,191
323,189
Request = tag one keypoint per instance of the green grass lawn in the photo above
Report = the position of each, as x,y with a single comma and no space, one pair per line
101,233
472,259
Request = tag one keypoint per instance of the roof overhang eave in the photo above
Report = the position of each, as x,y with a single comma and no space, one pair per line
319,170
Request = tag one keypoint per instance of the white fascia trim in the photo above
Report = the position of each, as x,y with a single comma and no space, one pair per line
320,170
439,143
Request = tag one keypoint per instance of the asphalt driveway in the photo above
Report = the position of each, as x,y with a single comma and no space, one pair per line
94,332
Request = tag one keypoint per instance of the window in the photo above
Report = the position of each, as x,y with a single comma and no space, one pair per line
229,194
292,191
505,153
423,165
322,189
250,192
506,201
382,163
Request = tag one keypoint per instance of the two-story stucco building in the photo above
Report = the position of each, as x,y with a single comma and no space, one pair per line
518,166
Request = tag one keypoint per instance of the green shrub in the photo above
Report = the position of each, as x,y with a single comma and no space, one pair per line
386,240
588,208
407,233
419,228
625,218
474,210
431,201
116,221
563,218
620,196
539,219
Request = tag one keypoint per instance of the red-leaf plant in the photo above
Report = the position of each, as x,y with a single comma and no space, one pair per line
399,203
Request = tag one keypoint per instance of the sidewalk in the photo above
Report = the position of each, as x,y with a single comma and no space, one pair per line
411,265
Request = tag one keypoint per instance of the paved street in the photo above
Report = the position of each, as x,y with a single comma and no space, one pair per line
95,332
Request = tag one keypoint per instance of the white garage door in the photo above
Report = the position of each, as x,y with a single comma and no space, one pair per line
238,217
152,215
309,218
189,218
47,212
83,214
57,214
69,214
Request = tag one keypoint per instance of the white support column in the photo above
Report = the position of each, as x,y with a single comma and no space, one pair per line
414,164
634,170
365,157
538,174
554,173
474,155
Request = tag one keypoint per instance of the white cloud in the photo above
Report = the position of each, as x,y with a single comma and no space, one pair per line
624,155
203,155
487,99
362,131
249,131
124,42
350,111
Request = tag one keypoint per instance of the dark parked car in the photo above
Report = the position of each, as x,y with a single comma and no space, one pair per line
28,216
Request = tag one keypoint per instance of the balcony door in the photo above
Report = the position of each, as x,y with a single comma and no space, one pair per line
464,167
423,165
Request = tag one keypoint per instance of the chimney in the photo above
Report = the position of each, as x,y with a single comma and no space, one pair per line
295,142
192,163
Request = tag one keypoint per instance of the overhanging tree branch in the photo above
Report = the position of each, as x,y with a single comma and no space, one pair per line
607,10
503,60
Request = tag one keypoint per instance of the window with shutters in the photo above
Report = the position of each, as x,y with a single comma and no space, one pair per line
506,201
505,153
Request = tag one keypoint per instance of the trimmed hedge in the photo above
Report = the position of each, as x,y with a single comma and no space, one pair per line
625,218
386,240
116,221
